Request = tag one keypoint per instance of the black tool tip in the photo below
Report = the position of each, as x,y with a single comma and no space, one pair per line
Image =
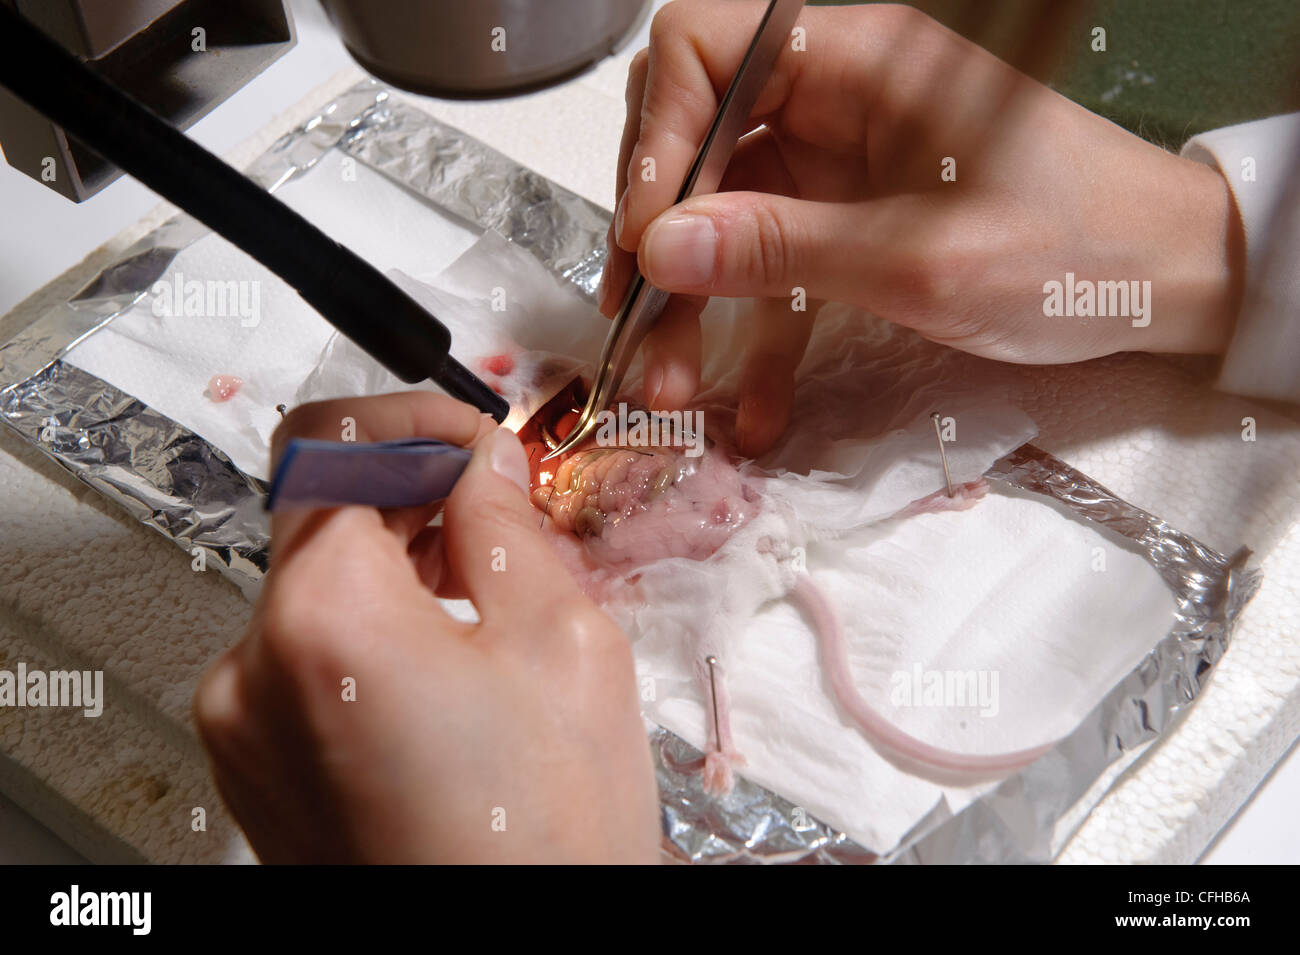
459,382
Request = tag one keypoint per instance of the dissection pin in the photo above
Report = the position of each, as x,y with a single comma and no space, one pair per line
712,661
943,455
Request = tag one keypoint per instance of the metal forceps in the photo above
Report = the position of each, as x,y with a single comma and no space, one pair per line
644,303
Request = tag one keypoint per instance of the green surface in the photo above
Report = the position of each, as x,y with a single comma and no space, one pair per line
1171,69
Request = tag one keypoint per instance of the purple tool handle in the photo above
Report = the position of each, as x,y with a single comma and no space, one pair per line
407,473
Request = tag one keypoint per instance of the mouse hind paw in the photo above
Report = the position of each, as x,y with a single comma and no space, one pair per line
718,772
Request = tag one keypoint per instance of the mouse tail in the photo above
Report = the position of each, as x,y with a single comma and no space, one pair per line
879,730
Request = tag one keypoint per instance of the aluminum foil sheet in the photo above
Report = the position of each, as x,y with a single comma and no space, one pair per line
485,187
172,480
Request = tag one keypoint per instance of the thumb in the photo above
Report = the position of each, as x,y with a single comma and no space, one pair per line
738,244
493,539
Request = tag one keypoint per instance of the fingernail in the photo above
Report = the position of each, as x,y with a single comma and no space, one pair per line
506,455
600,286
654,382
680,251
619,215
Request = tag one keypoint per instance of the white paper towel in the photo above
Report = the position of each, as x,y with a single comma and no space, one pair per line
497,299
167,361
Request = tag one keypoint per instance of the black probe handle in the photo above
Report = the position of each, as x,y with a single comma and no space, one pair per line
350,293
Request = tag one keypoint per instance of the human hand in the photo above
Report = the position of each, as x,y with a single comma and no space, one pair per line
841,194
516,739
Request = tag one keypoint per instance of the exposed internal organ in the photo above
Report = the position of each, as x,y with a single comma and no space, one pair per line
632,506
543,430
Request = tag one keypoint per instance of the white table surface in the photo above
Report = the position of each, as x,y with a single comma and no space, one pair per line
43,234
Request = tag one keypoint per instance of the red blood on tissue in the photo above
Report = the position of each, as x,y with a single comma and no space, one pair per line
499,365
224,387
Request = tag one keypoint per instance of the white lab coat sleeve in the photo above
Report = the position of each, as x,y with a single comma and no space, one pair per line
1260,159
